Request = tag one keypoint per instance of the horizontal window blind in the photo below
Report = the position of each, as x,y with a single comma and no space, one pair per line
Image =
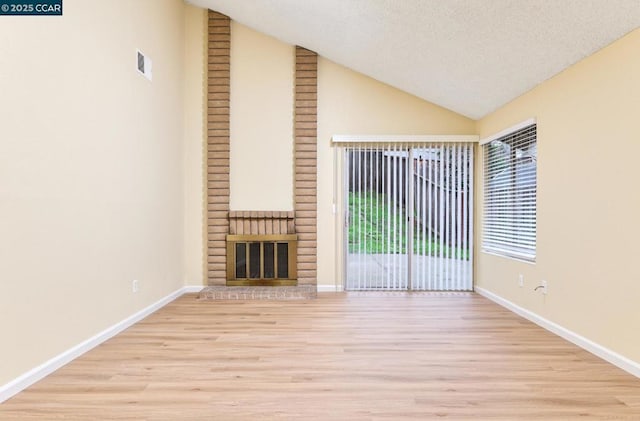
510,190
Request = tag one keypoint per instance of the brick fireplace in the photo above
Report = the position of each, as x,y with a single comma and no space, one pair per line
234,236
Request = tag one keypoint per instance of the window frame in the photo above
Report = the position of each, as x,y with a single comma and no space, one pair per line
509,224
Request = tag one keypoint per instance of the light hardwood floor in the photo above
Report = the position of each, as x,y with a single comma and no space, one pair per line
343,356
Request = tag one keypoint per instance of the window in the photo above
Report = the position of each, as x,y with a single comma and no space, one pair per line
510,187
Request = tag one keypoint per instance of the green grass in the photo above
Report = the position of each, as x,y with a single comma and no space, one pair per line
376,228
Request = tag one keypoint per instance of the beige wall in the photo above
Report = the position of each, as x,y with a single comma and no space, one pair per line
588,201
195,107
261,158
91,167
351,103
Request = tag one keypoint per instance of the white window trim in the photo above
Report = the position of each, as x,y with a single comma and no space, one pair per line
507,256
338,138
508,130
500,252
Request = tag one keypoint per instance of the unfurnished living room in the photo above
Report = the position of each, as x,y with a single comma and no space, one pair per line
319,209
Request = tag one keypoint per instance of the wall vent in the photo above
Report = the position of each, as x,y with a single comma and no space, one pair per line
144,64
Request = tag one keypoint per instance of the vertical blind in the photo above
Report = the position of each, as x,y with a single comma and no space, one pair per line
409,219
510,190
376,223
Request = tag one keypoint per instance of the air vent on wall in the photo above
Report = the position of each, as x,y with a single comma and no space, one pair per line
144,64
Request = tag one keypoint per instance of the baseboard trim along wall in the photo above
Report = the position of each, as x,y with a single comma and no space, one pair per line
606,354
32,376
330,288
192,288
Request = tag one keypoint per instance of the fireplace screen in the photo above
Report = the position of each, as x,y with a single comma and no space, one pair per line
261,259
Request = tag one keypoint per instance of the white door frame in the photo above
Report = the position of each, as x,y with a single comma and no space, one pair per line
339,143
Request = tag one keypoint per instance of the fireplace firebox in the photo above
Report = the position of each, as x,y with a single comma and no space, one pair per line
268,260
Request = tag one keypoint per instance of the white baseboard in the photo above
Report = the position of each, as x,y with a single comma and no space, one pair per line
48,367
330,288
606,354
192,288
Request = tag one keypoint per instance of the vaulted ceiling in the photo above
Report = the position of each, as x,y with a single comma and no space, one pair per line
470,56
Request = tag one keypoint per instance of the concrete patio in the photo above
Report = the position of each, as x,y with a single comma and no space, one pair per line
389,271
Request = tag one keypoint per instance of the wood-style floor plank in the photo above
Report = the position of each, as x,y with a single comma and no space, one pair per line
347,356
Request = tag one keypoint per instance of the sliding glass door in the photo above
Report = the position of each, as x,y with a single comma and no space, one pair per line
409,218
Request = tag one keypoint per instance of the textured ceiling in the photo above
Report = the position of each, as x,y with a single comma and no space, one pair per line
471,56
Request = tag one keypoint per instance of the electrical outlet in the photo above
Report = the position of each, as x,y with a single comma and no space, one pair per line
544,287
135,285
521,280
